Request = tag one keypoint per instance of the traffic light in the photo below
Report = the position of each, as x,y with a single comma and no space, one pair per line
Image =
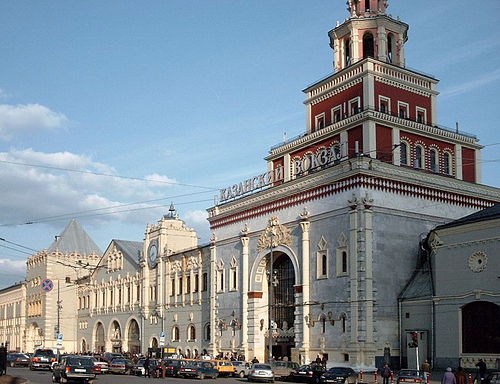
414,340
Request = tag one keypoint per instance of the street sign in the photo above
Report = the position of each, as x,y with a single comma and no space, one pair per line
59,340
162,339
47,285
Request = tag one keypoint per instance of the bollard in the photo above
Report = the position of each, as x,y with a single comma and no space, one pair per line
470,378
375,374
428,378
361,376
392,377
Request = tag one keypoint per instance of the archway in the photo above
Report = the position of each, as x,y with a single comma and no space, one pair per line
480,330
154,343
134,342
283,309
99,338
368,45
116,337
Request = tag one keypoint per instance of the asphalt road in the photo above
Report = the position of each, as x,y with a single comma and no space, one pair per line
45,377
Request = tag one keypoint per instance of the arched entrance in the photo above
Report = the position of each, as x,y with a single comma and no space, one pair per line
283,308
116,337
154,343
480,330
133,336
99,338
368,45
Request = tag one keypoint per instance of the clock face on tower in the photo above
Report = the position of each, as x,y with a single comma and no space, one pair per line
153,254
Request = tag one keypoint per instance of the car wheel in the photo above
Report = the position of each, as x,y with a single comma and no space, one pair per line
54,380
12,364
242,374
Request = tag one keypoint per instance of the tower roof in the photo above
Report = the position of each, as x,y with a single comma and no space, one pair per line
74,239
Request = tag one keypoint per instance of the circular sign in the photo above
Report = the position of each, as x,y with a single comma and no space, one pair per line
47,285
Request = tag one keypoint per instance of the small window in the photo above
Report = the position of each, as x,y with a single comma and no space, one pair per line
344,323
346,357
234,278
188,284
320,121
191,333
447,163
175,333
337,114
433,159
196,283
322,264
204,282
354,106
172,287
403,150
419,161
384,105
421,115
342,261
207,332
403,110
220,280
323,324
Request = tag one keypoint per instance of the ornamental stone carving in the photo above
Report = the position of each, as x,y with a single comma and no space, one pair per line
275,234
477,262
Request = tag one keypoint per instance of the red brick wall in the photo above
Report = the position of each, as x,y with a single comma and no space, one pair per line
398,94
340,98
353,135
427,143
468,165
313,148
384,143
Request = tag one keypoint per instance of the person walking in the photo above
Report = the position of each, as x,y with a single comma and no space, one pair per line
426,369
146,367
449,377
460,376
385,373
481,365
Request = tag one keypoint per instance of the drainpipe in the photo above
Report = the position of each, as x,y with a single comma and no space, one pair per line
400,325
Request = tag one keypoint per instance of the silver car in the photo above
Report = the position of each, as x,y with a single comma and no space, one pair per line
261,372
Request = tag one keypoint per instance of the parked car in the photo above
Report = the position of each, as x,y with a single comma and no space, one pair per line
410,376
492,377
199,370
18,360
308,373
172,366
261,372
139,370
242,368
224,367
120,365
339,375
109,357
74,368
43,358
103,365
282,369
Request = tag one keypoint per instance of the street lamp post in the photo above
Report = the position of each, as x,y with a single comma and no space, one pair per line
271,282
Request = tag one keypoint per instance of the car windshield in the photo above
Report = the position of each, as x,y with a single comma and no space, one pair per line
339,371
305,368
262,366
86,362
119,361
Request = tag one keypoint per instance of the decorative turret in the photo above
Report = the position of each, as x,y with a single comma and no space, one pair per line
369,32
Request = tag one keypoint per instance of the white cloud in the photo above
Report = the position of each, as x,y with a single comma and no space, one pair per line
15,267
197,219
471,85
3,94
30,193
28,118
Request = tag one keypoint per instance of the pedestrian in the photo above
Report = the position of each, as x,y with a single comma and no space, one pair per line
146,367
255,360
318,360
285,358
324,360
426,369
482,369
460,376
449,377
385,373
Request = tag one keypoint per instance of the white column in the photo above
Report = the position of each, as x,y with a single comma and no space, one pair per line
355,47
458,161
369,88
479,175
368,224
244,293
382,43
396,141
353,268
305,225
369,139
212,291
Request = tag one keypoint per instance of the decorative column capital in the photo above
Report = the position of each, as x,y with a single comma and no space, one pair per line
213,240
244,232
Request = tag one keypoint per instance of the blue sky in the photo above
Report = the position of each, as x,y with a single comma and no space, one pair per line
190,92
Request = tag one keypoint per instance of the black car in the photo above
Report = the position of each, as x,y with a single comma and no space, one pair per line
492,377
308,373
17,360
43,358
339,375
198,369
172,366
74,368
410,376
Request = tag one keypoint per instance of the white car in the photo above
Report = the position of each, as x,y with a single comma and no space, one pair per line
242,368
103,365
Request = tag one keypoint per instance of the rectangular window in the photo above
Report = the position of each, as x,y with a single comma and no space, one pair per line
342,261
138,293
354,106
320,121
322,264
172,287
205,282
421,115
180,286
337,114
220,280
188,284
128,294
119,296
234,279
196,283
403,109
384,104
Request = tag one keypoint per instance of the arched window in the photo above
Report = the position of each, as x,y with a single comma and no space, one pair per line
323,323
344,323
367,5
433,159
480,330
390,47
347,52
207,332
368,45
403,150
447,163
175,333
191,333
419,157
